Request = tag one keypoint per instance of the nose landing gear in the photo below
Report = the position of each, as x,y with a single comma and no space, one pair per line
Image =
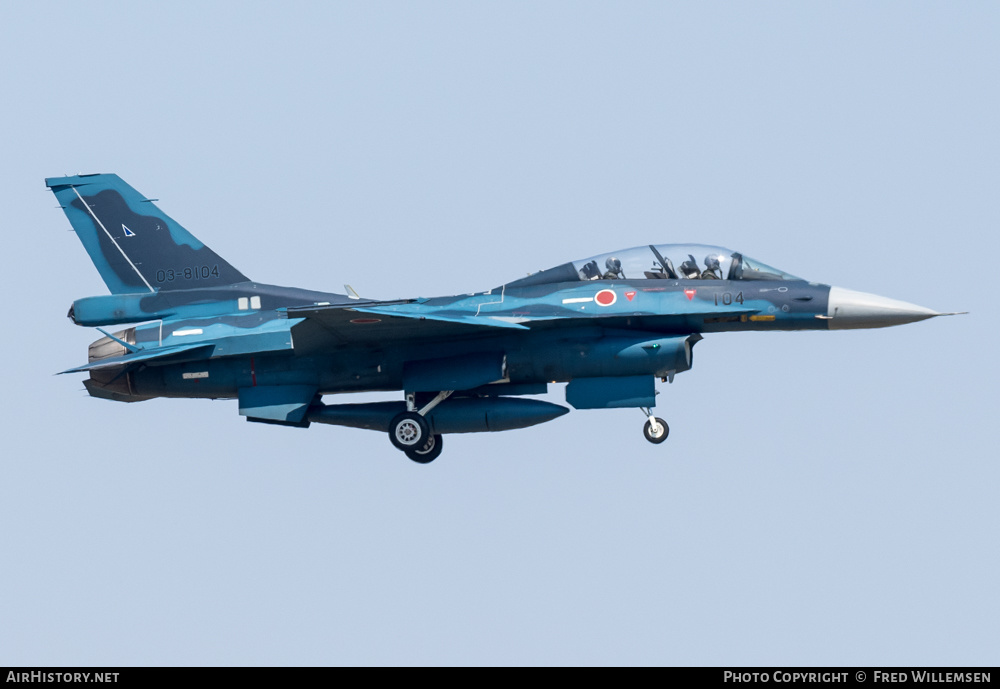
656,429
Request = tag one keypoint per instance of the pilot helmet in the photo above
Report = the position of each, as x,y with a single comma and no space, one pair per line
712,262
613,264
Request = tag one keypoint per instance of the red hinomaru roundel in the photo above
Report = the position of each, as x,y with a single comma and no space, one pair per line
605,297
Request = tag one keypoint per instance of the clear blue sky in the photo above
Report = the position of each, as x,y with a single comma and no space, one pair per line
823,498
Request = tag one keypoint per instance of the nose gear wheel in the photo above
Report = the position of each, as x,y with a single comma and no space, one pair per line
656,430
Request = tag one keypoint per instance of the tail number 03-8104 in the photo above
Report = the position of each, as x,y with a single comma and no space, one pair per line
727,298
187,273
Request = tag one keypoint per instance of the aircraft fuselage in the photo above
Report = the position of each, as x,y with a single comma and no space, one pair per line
608,326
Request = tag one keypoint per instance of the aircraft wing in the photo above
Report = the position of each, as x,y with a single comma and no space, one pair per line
480,321
330,326
172,355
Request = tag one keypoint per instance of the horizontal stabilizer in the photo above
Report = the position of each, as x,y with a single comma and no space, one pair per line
159,355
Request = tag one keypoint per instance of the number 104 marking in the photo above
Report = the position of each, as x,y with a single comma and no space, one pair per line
727,298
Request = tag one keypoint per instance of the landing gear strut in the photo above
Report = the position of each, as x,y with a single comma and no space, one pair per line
410,432
656,429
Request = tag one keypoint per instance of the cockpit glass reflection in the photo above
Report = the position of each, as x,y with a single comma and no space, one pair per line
677,262
661,262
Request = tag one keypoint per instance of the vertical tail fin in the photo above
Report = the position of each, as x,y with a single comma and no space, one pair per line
134,245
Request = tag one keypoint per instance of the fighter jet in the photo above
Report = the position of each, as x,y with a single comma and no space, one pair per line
608,326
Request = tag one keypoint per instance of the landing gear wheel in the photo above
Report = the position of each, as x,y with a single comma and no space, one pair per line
429,452
408,431
656,430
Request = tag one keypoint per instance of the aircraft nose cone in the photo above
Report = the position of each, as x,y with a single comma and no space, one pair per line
850,309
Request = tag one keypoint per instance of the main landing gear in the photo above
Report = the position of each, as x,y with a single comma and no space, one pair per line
410,432
656,429
429,452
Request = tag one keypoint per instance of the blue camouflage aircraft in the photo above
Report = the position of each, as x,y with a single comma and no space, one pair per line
608,326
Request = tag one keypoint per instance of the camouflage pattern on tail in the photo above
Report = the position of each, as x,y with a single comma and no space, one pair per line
135,246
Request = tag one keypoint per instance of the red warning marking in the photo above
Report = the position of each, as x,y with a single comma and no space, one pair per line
689,293
629,295
366,321
605,297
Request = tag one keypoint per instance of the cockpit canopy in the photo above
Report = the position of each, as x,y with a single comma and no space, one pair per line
660,262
